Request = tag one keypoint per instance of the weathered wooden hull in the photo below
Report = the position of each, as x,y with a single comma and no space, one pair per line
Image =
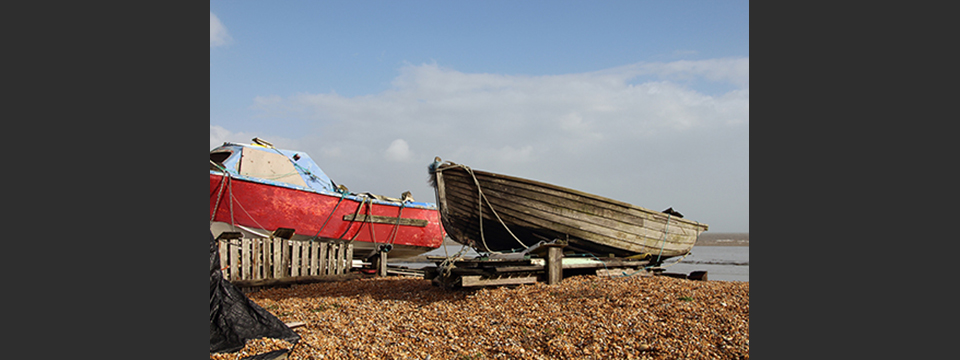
258,208
535,211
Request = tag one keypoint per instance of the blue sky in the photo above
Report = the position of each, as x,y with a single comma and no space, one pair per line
644,102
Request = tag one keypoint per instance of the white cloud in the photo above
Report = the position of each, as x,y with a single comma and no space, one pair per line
639,133
218,135
218,32
398,151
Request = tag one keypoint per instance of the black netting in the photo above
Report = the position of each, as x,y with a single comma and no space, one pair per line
234,318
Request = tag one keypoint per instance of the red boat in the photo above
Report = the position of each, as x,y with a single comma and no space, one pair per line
258,190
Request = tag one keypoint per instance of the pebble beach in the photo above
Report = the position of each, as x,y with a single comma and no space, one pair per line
583,317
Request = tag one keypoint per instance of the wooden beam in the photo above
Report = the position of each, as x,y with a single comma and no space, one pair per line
295,280
474,280
622,272
385,220
517,268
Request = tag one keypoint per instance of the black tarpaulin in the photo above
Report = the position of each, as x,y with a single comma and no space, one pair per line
234,318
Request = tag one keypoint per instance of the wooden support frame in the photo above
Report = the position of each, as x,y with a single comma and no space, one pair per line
250,260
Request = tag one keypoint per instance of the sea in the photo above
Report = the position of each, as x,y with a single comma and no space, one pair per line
724,256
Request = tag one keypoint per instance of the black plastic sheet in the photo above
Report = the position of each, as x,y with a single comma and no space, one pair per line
234,318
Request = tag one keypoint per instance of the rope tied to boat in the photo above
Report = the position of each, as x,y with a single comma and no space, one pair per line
663,241
480,199
343,194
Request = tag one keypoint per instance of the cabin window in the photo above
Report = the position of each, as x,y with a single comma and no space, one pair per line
218,158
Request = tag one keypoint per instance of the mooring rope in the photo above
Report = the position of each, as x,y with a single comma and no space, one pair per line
343,195
216,207
663,241
480,199
396,227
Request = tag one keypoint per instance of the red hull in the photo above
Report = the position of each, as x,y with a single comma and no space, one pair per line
268,207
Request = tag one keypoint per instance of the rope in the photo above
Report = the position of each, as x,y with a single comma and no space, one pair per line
480,198
216,207
355,213
373,235
663,241
295,165
396,227
343,195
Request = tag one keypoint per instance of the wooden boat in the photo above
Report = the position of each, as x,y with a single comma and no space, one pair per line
258,190
518,213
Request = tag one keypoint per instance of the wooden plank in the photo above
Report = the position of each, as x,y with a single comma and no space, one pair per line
246,247
322,259
474,280
285,266
385,220
606,264
619,272
266,246
304,259
317,258
345,263
257,263
234,259
349,257
277,258
295,280
223,246
507,269
295,258
341,250
331,254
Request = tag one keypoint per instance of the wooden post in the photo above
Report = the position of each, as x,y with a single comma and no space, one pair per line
382,264
554,263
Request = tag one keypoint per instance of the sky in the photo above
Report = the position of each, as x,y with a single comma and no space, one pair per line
646,102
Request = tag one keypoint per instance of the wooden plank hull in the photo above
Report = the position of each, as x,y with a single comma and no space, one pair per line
527,211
